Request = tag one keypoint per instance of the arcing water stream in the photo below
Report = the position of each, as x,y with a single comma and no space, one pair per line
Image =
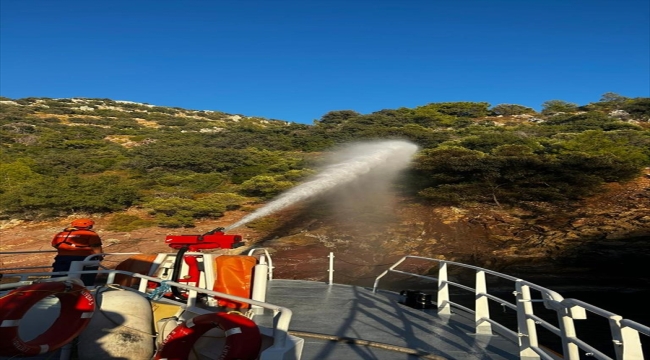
348,164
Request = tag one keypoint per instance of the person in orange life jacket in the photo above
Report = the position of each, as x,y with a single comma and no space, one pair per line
74,244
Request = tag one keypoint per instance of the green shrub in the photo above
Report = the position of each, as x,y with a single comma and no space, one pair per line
125,222
264,186
181,212
175,221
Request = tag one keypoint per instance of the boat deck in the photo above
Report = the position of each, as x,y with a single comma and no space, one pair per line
351,312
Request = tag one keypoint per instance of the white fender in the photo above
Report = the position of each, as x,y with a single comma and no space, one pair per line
122,327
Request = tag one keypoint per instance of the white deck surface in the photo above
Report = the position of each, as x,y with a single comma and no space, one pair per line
355,312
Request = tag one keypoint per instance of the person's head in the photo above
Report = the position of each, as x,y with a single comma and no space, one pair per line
83,223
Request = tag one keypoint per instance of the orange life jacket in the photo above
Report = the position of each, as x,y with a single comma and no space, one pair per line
73,241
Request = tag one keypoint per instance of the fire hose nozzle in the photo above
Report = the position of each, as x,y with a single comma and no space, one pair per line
214,239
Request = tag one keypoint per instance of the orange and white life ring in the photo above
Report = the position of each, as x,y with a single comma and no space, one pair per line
243,338
77,307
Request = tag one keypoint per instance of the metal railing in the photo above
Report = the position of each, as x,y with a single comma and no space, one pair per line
282,315
268,260
625,333
26,252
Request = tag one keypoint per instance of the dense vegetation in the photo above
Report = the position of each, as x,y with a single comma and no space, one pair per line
97,155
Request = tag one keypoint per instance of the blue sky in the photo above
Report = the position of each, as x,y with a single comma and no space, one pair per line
296,60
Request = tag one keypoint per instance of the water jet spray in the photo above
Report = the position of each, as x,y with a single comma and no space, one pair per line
349,164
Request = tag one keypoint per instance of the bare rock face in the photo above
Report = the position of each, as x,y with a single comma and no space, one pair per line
619,114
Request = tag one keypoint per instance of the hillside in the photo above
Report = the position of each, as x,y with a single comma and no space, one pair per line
611,228
502,187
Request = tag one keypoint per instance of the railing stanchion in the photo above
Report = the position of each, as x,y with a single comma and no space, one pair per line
482,306
631,342
331,269
444,308
617,336
526,325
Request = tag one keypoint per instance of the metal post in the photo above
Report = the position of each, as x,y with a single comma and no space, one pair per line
631,343
570,350
482,306
66,351
331,270
527,330
75,268
260,280
617,335
444,308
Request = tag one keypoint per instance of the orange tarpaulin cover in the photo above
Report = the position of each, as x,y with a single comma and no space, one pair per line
234,273
139,264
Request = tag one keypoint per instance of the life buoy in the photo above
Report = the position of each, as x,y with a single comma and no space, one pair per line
77,307
243,338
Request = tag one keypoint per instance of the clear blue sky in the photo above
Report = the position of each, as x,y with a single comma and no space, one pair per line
298,59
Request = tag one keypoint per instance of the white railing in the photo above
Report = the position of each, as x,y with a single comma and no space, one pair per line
26,252
23,276
625,333
282,315
281,323
268,259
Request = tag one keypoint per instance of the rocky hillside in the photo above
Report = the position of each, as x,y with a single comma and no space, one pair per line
503,187
612,228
